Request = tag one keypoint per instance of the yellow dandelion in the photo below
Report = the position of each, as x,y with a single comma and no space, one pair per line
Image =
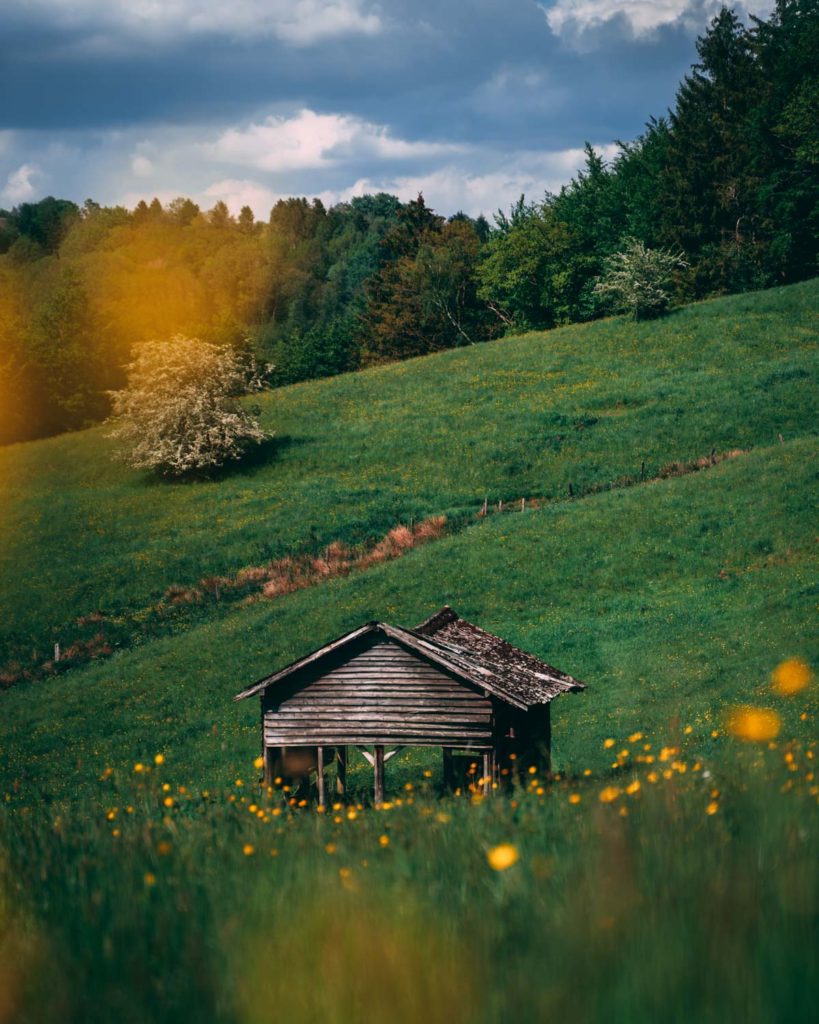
754,724
344,874
168,801
635,737
139,767
164,848
159,759
274,852
239,782
166,787
330,848
352,814
150,878
790,677
587,771
384,840
653,777
248,849
688,730
608,744
574,798
442,817
502,857
712,808
633,787
609,794
259,762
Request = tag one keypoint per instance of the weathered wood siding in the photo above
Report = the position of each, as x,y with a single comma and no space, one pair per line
381,694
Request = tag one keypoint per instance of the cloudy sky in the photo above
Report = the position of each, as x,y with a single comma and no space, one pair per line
469,101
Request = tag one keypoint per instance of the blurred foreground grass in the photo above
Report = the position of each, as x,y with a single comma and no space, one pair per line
679,886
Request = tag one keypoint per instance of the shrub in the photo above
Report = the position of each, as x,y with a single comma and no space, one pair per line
637,279
179,411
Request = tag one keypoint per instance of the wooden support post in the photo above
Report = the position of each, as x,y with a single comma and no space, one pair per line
547,740
267,754
488,772
378,773
320,775
341,771
449,772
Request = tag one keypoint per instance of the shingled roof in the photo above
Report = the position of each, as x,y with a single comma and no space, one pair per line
520,673
486,660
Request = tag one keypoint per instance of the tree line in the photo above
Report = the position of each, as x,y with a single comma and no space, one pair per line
728,180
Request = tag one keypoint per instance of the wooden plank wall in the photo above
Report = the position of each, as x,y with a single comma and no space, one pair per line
382,694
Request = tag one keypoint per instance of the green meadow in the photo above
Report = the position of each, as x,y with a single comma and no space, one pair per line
668,872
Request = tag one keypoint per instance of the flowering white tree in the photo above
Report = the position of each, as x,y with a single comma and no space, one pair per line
637,279
179,411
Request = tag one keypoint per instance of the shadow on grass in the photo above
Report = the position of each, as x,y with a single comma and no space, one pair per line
256,458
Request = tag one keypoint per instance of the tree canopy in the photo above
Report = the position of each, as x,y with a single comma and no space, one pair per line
729,178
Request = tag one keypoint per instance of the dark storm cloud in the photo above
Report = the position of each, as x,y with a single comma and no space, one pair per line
100,99
427,74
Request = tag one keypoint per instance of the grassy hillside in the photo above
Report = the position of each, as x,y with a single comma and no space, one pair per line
655,595
669,873
583,405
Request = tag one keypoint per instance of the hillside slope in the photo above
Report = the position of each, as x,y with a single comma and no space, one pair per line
672,599
583,405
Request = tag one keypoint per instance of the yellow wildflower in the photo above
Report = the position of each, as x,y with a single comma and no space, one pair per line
712,808
259,762
139,767
159,759
168,801
384,840
754,724
150,878
633,787
248,849
574,798
609,794
608,744
502,857
790,677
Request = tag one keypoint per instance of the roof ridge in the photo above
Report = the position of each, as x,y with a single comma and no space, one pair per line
437,621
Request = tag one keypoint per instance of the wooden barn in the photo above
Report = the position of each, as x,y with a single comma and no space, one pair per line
381,688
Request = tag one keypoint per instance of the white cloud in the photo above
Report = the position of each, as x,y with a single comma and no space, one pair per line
141,166
572,19
20,185
310,140
238,192
452,188
298,22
